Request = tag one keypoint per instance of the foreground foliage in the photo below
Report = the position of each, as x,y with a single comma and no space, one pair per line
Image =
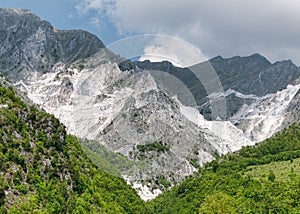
228,185
43,170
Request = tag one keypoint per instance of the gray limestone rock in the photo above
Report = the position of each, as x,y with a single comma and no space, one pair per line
29,44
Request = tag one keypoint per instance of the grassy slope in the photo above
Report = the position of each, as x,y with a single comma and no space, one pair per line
281,169
229,186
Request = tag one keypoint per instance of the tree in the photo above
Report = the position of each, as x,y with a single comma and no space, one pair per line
214,164
271,176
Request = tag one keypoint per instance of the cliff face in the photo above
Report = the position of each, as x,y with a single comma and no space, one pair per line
250,76
28,44
131,112
44,170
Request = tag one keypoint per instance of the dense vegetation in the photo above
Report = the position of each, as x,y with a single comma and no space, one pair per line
229,185
43,170
149,150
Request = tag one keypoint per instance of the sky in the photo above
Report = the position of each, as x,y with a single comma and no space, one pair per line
213,27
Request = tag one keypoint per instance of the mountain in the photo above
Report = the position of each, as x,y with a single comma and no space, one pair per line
142,129
259,179
239,76
127,112
124,111
249,86
44,170
293,115
30,44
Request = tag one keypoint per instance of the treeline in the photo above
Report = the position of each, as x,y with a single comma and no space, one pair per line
224,187
44,170
284,146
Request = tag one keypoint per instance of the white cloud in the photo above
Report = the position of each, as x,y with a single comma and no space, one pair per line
86,5
172,49
95,22
160,53
231,27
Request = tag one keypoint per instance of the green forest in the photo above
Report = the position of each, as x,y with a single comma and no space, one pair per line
261,179
44,170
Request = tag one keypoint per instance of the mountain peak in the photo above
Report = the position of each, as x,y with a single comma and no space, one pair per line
30,44
287,62
15,10
258,56
253,57
219,57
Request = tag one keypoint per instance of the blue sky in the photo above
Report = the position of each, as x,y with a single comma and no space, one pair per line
62,14
214,27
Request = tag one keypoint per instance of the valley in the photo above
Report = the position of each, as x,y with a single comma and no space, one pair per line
111,135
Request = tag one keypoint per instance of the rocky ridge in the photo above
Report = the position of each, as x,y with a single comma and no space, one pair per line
31,44
71,75
127,113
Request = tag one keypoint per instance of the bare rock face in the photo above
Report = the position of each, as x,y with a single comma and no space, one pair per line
129,114
77,44
250,75
28,44
293,112
261,97
268,114
71,75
